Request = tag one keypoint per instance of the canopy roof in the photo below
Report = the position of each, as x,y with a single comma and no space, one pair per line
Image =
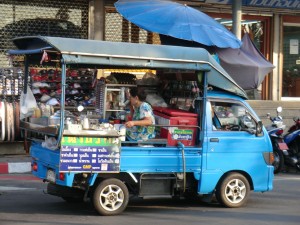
120,54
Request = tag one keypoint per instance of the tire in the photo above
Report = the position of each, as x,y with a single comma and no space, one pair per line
294,148
110,197
233,191
298,166
278,160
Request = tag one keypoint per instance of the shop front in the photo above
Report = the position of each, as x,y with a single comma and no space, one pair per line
273,27
258,19
291,57
270,24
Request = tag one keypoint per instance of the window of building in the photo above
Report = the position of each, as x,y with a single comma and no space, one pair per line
291,60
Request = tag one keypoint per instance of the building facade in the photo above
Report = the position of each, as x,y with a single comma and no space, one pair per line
274,26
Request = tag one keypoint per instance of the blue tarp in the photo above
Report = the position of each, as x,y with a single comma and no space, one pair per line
247,66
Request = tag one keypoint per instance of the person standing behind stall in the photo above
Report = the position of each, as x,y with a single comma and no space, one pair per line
141,127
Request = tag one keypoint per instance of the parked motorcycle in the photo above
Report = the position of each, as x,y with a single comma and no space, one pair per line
292,139
280,148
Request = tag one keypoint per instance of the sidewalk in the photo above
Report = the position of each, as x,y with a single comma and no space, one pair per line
19,163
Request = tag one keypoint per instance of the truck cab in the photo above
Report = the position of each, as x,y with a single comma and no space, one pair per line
209,143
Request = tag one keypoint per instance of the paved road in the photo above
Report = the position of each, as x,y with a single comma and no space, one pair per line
22,201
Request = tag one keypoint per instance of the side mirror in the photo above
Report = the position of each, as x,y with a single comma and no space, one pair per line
247,122
259,128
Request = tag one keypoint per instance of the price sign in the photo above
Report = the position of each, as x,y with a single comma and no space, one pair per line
89,154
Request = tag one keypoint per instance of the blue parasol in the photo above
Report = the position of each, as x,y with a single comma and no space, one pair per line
177,20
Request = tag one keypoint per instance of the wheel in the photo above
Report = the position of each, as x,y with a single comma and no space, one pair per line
233,191
110,197
278,160
294,148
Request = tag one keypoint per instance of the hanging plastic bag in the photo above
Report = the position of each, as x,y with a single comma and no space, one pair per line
27,104
50,143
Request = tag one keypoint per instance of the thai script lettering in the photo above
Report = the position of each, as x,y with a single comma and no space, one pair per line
291,4
276,3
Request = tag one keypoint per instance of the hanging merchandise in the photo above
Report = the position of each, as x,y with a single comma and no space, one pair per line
27,103
100,95
47,89
16,119
11,84
2,117
8,114
124,78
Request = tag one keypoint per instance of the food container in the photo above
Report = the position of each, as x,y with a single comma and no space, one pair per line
54,120
121,130
44,121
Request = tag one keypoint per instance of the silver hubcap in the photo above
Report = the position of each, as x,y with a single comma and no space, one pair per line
235,191
111,197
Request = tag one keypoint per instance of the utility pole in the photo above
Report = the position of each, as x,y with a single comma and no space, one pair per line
236,18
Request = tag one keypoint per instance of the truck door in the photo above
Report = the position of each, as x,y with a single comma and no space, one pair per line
230,142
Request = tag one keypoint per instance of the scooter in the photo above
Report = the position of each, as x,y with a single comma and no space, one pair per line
292,139
280,148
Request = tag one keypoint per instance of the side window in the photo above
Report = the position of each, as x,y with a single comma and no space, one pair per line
231,117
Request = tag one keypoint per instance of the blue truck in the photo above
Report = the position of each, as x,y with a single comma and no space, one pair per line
224,154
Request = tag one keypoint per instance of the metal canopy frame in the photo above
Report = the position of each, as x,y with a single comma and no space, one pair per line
113,54
82,52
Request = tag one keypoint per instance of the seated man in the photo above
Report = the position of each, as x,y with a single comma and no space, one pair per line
215,121
225,116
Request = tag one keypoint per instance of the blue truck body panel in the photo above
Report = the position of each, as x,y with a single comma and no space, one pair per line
235,151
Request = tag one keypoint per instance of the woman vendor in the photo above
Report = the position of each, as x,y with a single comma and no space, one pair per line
141,127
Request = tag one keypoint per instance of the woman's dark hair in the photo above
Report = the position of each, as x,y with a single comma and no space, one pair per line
138,92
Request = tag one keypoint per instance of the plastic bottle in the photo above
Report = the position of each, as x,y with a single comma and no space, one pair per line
37,112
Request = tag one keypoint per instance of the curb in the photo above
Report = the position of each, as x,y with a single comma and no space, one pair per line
15,167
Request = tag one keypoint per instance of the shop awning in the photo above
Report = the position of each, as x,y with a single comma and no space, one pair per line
119,54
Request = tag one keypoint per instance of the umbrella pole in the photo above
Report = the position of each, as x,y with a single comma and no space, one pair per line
204,98
26,74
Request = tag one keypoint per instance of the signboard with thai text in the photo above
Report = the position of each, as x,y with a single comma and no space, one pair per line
179,134
89,154
283,4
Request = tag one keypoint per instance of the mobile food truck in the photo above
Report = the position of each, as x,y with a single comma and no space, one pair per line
209,141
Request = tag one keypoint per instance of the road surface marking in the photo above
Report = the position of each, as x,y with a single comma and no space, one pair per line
6,188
